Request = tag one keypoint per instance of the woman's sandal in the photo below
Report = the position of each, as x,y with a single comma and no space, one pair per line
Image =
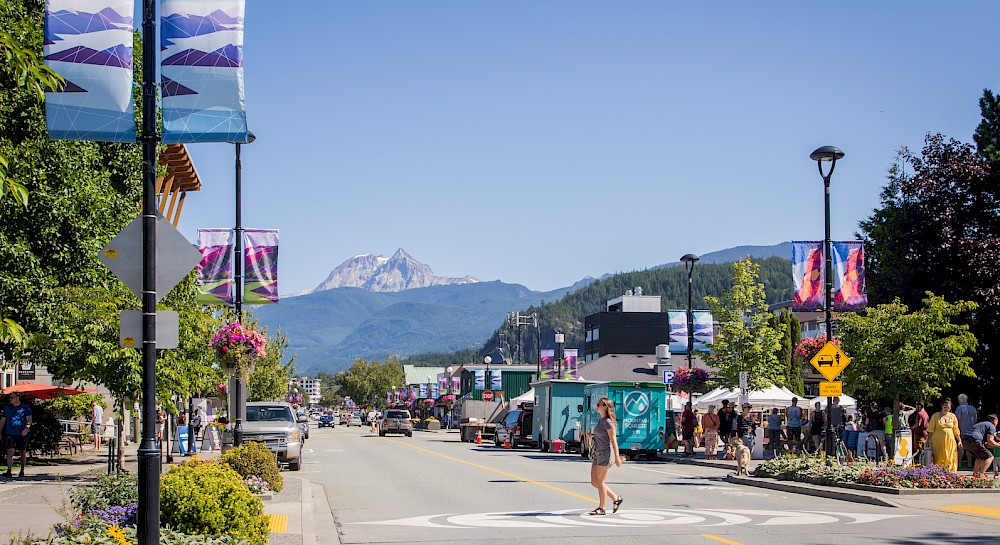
617,503
597,512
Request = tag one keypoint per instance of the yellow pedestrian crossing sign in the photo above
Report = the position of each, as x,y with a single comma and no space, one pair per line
830,361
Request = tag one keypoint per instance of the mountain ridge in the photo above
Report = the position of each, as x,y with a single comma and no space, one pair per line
378,273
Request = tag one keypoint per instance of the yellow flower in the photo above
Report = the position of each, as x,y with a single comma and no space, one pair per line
118,535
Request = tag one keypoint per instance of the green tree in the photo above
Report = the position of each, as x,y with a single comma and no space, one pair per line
269,380
747,341
987,136
792,378
368,381
897,353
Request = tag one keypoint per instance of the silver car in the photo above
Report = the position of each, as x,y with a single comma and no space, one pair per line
275,425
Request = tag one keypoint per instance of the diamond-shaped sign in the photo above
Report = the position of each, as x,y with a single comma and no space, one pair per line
175,256
830,361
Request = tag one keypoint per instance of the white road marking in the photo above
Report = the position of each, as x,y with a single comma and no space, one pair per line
671,473
634,518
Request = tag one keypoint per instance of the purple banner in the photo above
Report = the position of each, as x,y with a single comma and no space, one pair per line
260,285
849,291
547,366
215,271
571,364
807,276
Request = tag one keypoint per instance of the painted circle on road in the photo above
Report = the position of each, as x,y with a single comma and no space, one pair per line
636,404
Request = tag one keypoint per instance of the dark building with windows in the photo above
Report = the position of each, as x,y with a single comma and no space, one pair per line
632,324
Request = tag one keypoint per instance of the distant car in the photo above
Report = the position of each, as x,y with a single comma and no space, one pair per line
396,421
345,418
516,426
327,421
354,420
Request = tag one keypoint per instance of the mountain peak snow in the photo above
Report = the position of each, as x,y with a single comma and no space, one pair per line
380,274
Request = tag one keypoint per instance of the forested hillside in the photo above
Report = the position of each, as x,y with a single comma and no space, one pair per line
670,283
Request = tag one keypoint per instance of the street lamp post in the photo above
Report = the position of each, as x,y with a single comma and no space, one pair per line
238,285
488,383
827,154
689,260
560,343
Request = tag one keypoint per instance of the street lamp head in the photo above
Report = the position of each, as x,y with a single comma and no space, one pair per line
487,360
249,140
450,369
827,153
690,258
560,338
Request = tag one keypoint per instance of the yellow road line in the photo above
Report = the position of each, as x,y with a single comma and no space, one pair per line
721,539
497,471
972,510
277,523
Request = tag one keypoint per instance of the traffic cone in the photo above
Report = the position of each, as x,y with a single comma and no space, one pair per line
479,437
506,443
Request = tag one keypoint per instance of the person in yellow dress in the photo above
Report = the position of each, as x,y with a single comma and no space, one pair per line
944,434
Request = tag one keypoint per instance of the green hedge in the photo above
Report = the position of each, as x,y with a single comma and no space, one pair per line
209,498
254,460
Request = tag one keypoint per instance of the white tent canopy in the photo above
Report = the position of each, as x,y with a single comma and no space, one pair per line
846,402
767,398
526,397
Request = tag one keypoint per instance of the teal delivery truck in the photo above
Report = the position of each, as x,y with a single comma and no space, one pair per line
640,408
558,410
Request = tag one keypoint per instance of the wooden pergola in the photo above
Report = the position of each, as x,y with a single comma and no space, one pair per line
181,177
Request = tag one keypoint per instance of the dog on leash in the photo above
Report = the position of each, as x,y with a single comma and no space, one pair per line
742,457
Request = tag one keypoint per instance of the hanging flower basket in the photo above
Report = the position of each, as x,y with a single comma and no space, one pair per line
690,379
808,347
237,348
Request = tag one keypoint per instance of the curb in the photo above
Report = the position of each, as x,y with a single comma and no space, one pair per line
809,490
701,463
308,514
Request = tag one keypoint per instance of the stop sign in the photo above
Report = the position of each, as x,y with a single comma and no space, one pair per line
488,395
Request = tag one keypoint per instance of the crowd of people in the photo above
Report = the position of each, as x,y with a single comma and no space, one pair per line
944,438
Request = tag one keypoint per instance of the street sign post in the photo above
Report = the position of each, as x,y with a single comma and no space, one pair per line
830,361
167,329
487,395
175,256
831,389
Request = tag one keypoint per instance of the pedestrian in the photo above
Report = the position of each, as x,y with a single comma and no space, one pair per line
727,417
945,435
687,429
774,432
875,426
699,431
15,423
96,422
447,420
746,426
793,426
816,425
918,425
851,425
161,422
196,422
710,422
373,421
980,443
604,452
967,417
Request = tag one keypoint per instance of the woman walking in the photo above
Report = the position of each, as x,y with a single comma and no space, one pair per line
604,452
711,424
943,429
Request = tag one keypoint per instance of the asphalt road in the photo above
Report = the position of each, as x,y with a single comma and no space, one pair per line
431,488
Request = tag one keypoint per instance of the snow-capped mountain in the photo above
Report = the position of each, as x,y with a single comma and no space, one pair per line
380,274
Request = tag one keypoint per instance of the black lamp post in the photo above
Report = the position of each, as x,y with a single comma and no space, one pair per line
560,343
238,285
689,260
827,154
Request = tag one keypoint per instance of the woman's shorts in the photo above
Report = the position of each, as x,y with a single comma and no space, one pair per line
602,458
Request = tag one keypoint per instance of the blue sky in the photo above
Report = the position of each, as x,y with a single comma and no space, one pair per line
541,142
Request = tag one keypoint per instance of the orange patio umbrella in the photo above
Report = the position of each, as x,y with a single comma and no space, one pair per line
45,391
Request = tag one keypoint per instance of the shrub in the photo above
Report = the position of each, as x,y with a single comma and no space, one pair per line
104,534
255,460
209,498
120,489
809,469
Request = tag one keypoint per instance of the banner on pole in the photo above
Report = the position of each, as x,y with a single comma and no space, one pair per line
547,366
423,391
849,291
260,284
456,386
496,381
807,276
215,271
201,71
435,392
704,330
571,363
480,380
89,44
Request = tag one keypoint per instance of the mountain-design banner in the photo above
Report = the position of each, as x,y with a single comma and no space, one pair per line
571,364
201,71
849,291
89,44
547,364
260,253
704,330
215,271
807,275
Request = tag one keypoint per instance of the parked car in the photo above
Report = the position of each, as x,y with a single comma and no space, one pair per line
516,426
327,421
354,420
276,426
396,421
345,418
